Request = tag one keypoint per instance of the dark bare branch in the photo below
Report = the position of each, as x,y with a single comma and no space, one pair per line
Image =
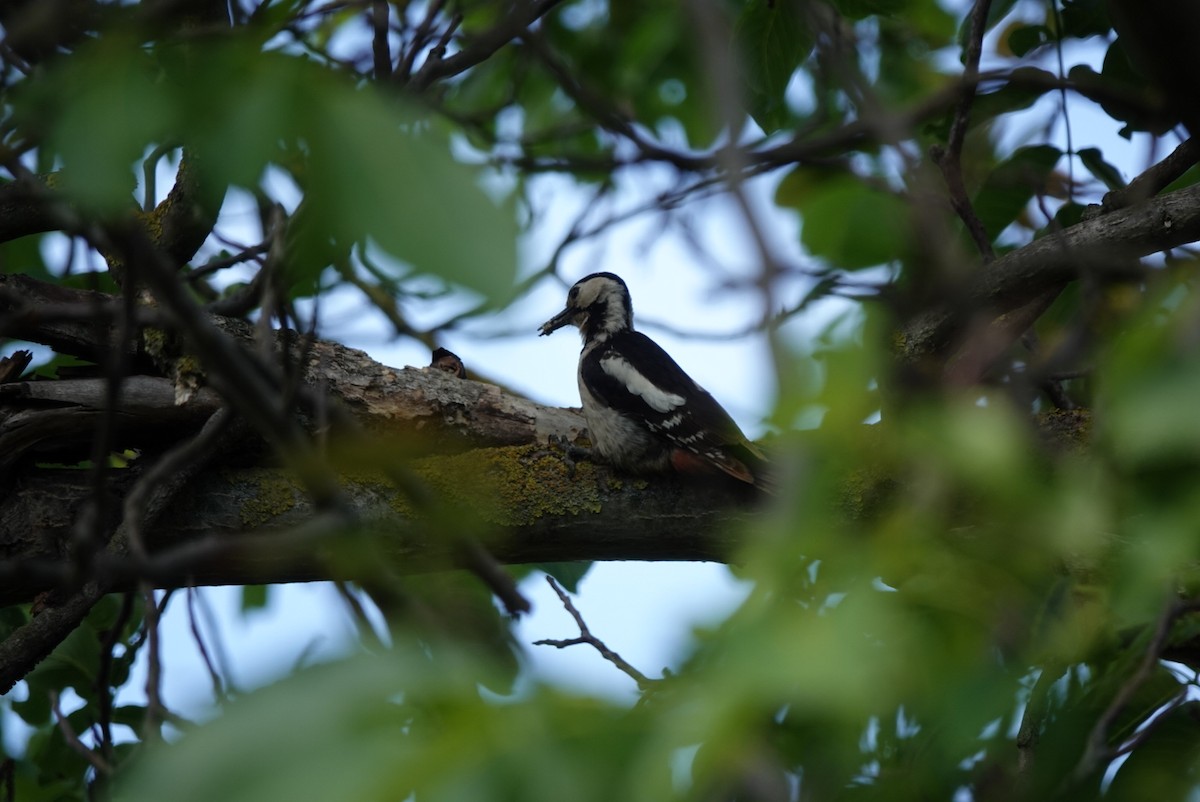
949,159
1155,179
586,637
515,24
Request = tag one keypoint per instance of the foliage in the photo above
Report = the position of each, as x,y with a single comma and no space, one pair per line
978,577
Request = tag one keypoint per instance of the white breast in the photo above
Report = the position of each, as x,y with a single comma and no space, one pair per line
622,441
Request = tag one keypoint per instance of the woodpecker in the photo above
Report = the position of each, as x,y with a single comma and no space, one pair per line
644,413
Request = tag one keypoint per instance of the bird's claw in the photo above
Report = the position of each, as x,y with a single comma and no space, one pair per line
571,453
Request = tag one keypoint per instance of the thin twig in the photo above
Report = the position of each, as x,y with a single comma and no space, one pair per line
91,530
214,676
1150,726
515,24
949,159
249,384
104,691
586,636
1096,750
155,711
97,762
366,630
155,489
420,39
471,555
254,252
381,50
8,779
1155,178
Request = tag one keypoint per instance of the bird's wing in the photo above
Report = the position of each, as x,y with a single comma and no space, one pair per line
634,376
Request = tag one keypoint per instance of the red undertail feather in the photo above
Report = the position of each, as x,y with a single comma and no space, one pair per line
686,461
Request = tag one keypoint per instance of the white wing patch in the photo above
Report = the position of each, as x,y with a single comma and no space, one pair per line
660,400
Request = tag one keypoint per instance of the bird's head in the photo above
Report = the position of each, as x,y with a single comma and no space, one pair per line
598,304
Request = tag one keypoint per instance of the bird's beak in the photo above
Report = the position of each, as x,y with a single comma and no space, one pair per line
563,318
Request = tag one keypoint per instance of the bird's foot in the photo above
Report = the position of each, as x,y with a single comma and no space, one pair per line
571,453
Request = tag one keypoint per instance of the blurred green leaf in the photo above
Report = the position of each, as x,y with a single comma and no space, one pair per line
1030,84
1124,94
371,170
24,255
847,221
254,597
1165,761
1084,18
773,39
1012,184
72,664
329,732
101,134
1110,176
1024,38
568,575
467,614
1150,385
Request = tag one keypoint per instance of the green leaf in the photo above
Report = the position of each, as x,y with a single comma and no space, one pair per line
370,168
847,222
1012,184
1025,38
100,134
467,611
1164,765
24,255
1170,433
1124,94
1110,176
773,39
1189,178
567,574
1015,96
72,664
398,727
103,615
254,597
132,716
1084,18
1067,215
402,190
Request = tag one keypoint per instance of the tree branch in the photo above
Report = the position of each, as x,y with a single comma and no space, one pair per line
1098,248
438,411
586,636
257,526
949,159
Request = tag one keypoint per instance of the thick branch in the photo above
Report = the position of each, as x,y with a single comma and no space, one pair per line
180,224
22,213
443,412
1097,248
256,525
76,322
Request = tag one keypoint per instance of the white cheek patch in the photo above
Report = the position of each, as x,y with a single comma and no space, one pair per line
658,399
